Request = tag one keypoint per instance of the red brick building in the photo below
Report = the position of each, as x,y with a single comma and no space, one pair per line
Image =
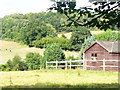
103,50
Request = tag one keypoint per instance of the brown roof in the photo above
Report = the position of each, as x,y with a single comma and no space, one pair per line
110,46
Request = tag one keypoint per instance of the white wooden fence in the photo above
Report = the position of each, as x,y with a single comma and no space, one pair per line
82,63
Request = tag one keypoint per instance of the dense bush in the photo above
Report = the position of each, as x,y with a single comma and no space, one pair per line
16,64
108,35
52,53
10,65
3,67
64,43
33,61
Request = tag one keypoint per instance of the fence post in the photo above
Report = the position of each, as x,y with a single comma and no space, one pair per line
66,65
56,64
84,64
70,63
104,64
46,65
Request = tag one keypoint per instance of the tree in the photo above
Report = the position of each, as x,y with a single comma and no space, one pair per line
9,65
78,38
86,44
33,60
44,42
52,53
105,14
16,62
108,35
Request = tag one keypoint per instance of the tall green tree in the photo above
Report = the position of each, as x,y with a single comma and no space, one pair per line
52,53
78,37
16,62
33,60
9,65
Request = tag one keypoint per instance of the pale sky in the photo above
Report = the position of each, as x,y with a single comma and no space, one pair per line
8,7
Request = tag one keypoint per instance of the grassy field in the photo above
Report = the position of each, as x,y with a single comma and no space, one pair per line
53,78
68,35
9,49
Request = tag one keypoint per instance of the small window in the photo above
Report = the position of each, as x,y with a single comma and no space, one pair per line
94,56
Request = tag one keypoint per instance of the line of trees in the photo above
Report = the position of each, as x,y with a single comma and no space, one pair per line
31,62
34,61
53,52
40,29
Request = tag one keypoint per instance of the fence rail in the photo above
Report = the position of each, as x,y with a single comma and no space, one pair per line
82,63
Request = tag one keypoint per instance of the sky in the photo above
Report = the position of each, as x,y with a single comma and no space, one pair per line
8,7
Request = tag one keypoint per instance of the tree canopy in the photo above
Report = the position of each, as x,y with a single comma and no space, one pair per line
52,53
103,14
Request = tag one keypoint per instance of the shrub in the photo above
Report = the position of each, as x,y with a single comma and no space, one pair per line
16,62
3,67
9,65
14,65
53,53
43,43
33,61
108,35
23,66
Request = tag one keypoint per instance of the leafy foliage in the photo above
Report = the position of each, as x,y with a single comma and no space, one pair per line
33,61
16,64
104,15
3,67
108,35
78,38
9,65
86,44
44,42
32,27
52,53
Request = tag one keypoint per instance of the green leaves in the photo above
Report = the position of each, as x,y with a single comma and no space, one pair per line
92,14
16,64
29,27
33,61
108,35
78,37
52,53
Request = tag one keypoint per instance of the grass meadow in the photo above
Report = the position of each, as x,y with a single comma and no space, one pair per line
58,78
9,49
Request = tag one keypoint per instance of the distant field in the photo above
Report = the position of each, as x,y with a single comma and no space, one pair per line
9,49
68,35
59,79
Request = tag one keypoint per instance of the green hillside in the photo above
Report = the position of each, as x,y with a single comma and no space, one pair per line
9,49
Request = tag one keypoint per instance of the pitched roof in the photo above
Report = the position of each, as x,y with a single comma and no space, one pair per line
111,46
